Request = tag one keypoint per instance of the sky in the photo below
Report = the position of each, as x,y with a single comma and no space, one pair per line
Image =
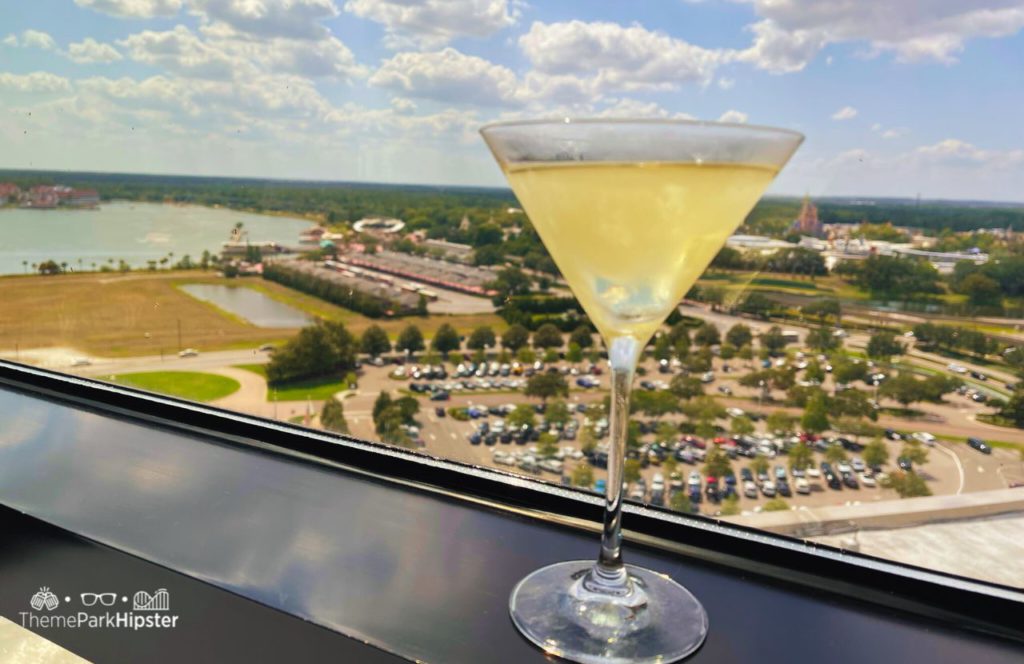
916,97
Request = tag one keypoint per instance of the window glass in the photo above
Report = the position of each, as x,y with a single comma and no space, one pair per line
290,213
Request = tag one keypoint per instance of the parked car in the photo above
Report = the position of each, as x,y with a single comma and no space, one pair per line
749,489
904,463
802,486
893,435
768,488
923,437
188,352
868,480
979,445
850,481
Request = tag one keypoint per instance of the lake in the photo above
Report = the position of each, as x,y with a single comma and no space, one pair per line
134,232
255,307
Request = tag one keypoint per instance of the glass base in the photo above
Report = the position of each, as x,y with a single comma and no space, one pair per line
570,611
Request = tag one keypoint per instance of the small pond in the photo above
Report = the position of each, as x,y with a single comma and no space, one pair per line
253,306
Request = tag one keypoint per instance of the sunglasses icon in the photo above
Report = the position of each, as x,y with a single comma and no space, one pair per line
106,599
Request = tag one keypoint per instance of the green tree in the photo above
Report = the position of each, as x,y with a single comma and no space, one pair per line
679,335
876,453
822,339
374,341
680,502
698,361
772,340
707,335
835,454
739,335
815,417
903,388
317,350
547,445
776,505
509,282
547,336
332,417
410,339
546,385
666,432
717,462
814,372
741,426
1013,408
631,470
574,354
759,465
382,403
522,415
883,345
582,337
800,457
663,348
781,421
654,403
582,476
907,484
515,337
823,310
557,412
703,408
669,465
686,387
481,338
915,451
445,340
526,355
981,290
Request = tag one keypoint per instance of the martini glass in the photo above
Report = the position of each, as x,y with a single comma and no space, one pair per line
632,212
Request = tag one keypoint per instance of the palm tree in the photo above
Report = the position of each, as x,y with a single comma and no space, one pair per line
24,266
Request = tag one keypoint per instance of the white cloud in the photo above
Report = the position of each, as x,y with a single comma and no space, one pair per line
293,19
434,23
726,83
133,8
447,75
92,51
955,151
845,113
892,133
402,105
792,32
321,58
733,116
32,39
618,57
37,81
180,51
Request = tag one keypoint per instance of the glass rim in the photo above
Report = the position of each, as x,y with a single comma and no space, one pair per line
768,129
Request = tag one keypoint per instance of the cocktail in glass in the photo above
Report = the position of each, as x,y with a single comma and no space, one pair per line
632,212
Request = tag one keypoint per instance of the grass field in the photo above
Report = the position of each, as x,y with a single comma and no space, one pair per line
138,313
313,388
186,384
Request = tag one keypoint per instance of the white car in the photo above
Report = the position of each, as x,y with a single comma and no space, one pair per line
868,480
81,362
858,465
802,486
844,467
768,488
552,465
707,377
734,412
813,472
924,437
956,368
749,489
188,352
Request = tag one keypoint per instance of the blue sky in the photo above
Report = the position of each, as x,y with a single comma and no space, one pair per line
896,98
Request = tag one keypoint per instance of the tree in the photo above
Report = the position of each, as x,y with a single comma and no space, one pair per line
522,415
907,484
445,340
815,417
680,502
654,403
332,417
883,345
508,282
410,340
853,403
717,462
814,372
526,355
800,457
1013,408
663,349
317,350
374,341
686,387
822,310
982,291
631,470
515,337
707,335
482,337
731,505
582,337
759,465
679,335
557,412
915,451
781,421
582,476
547,336
773,340
574,354
739,335
742,426
703,409
876,453
903,388
669,465
546,385
845,370
698,361
835,454
822,339
547,445
382,403
776,505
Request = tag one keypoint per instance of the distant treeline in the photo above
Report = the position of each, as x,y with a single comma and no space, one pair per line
440,209
343,296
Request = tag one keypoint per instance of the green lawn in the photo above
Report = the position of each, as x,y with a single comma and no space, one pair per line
186,384
260,369
316,389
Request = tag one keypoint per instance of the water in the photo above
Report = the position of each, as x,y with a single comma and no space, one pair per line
134,232
251,305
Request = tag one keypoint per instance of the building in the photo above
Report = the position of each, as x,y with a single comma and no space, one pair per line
944,261
9,192
83,198
453,251
808,223
757,244
378,225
